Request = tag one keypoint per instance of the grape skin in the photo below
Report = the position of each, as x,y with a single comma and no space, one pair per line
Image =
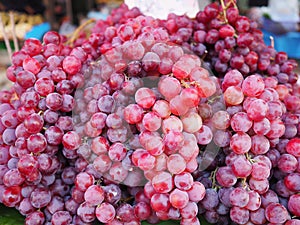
174,107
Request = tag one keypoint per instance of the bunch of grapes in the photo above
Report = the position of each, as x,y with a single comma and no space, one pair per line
148,119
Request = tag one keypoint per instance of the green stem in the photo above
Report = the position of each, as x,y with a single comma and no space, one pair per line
224,10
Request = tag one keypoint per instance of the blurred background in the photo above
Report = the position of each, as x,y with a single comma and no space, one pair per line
32,18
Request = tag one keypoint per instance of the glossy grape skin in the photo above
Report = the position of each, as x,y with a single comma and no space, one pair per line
253,81
36,217
105,212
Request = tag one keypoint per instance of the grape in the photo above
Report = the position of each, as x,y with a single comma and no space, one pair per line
40,197
292,222
292,204
240,143
179,199
36,217
210,200
36,143
260,186
257,110
260,171
146,161
240,122
142,210
83,181
11,196
162,182
71,140
225,176
291,181
292,148
117,152
183,181
176,164
13,178
280,216
71,65
193,221
125,212
54,135
190,96
172,123
241,167
86,212
55,205
269,197
173,141
211,216
65,123
25,79
33,123
177,106
222,138
260,144
189,211
192,122
112,120
133,113
155,146
287,163
132,104
173,85
145,97
54,101
239,197
160,202
94,195
27,164
232,78
239,215
161,107
196,192
258,216
105,212
233,95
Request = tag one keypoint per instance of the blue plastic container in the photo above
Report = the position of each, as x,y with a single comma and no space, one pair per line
288,42
38,31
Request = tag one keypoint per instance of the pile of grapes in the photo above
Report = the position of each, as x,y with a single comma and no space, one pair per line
147,119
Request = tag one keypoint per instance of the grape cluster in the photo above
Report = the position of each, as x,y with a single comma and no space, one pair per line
139,121
148,119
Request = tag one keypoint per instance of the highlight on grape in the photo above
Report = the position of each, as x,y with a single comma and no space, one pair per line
141,119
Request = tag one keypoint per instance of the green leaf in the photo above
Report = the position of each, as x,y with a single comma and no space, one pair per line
169,222
10,216
172,222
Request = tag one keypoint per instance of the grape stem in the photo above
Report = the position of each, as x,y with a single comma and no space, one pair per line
249,158
127,199
272,42
14,36
6,40
78,30
14,97
244,183
84,140
213,179
213,99
231,2
204,55
185,84
224,10
99,181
